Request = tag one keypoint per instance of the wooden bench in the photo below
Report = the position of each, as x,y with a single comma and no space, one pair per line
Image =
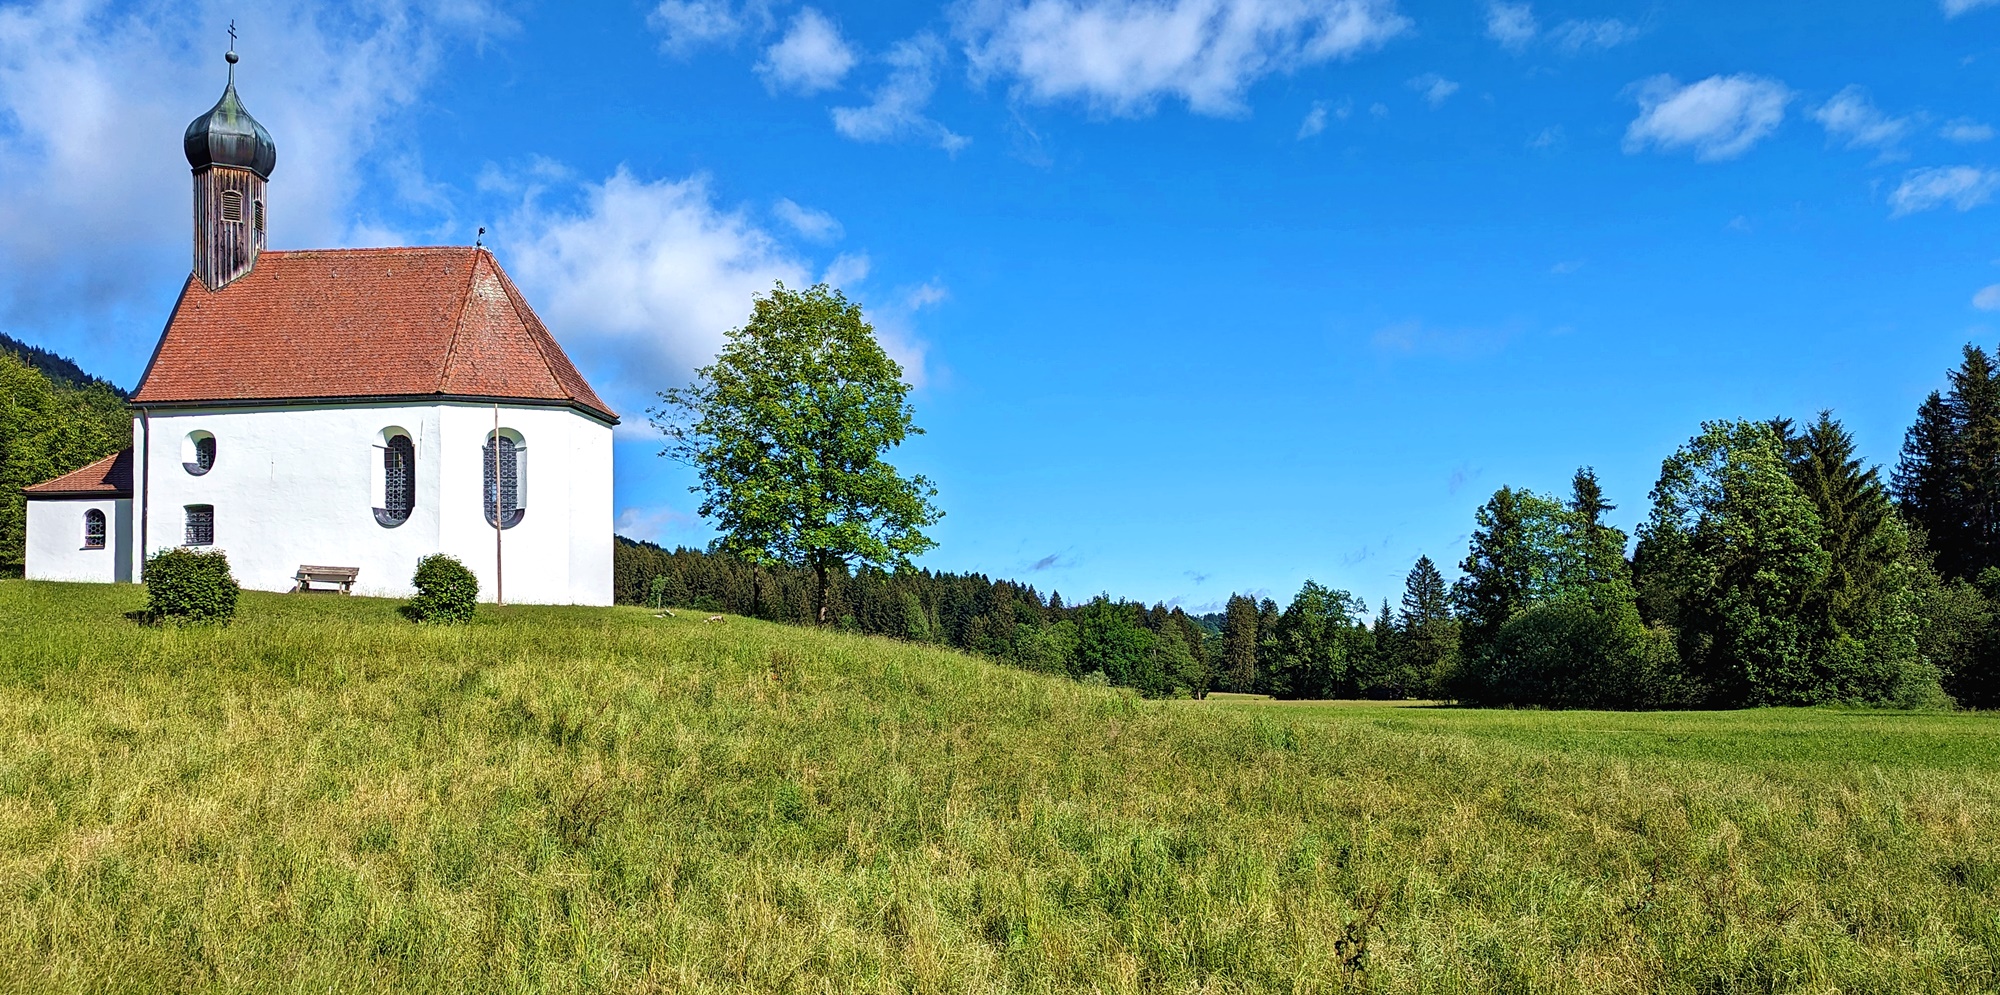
310,575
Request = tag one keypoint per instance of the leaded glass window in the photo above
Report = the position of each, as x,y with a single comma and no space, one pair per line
200,525
503,481
93,529
204,454
399,478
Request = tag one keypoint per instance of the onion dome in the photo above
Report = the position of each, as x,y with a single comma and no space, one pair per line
228,136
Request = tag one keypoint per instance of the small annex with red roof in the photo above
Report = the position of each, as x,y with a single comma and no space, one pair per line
355,408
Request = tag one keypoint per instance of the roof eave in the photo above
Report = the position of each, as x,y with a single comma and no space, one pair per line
35,495
605,417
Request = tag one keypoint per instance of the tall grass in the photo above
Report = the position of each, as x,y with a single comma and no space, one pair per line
324,797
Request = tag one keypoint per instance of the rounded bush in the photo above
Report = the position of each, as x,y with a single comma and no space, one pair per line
446,590
186,585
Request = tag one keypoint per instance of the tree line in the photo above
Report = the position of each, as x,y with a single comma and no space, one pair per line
53,419
1774,567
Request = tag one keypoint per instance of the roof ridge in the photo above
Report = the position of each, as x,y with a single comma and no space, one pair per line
161,344
528,322
360,249
93,477
544,340
458,323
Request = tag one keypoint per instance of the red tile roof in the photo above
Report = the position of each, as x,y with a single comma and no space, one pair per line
352,323
108,477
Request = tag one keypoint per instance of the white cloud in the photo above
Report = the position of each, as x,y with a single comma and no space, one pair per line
1965,131
642,279
686,25
1988,298
811,223
1572,37
1853,119
925,295
656,525
1511,24
1551,137
1719,117
898,108
847,269
1960,187
93,103
1436,89
810,57
1418,338
1122,56
1953,8
1314,123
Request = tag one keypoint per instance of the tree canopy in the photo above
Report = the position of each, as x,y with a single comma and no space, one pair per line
787,430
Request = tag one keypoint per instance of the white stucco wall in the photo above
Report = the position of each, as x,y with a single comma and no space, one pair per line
299,485
55,540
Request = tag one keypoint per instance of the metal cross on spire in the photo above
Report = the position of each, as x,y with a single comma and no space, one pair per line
232,34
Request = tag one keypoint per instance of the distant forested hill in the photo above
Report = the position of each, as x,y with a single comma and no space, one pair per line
60,369
50,424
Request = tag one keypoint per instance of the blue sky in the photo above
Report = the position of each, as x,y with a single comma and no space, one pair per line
1199,295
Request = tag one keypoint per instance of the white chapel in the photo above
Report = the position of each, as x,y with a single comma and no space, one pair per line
353,409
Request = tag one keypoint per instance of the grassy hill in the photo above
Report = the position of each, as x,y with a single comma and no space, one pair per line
323,797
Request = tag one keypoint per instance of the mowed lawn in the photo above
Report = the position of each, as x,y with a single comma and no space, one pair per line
323,797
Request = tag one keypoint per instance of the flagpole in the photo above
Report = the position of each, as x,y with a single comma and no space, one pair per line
499,577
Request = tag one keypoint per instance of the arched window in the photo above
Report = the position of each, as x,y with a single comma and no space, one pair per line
93,529
399,481
259,205
198,454
232,206
506,477
200,525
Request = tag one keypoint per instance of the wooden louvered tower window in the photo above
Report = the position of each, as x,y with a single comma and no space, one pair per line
399,479
232,206
93,529
200,525
503,495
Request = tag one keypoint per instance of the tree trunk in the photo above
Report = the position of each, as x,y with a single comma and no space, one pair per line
819,598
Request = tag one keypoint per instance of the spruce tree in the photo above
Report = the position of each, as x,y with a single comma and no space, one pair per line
1239,644
1597,550
1948,480
1424,597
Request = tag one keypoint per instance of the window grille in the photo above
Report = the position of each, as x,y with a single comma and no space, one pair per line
509,490
232,206
200,525
204,454
93,529
399,471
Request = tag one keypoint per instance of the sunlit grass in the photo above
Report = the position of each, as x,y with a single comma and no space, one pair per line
324,797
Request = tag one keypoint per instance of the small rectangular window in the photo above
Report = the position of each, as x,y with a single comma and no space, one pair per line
260,215
232,206
201,525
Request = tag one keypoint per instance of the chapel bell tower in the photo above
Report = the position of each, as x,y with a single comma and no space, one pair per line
232,156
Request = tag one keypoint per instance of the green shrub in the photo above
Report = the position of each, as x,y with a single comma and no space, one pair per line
1572,653
186,585
446,591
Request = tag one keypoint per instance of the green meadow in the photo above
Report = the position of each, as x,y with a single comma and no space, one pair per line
323,797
